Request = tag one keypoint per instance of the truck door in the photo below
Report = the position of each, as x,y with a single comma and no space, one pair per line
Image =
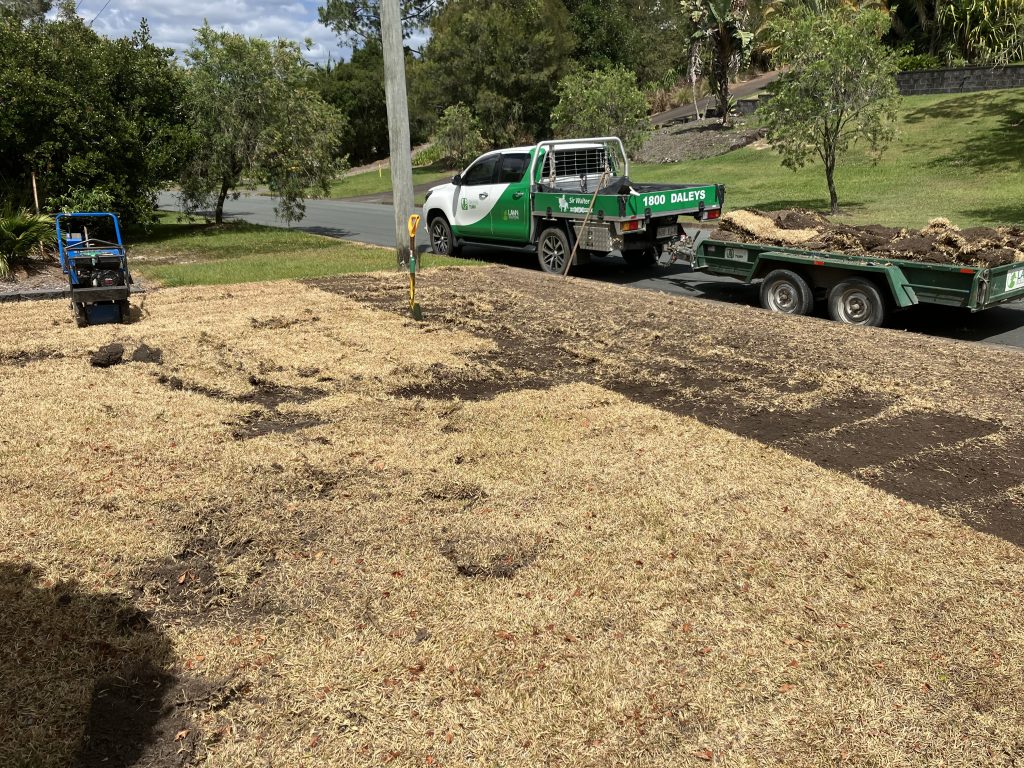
476,197
510,219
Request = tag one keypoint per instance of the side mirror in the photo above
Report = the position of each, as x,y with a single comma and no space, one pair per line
457,179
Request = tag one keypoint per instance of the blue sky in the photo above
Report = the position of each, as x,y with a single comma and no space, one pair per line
172,23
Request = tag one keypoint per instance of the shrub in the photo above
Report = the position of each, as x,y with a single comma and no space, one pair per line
458,137
21,232
916,61
605,102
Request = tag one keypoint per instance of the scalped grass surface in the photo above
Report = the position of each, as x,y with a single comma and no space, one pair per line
957,156
555,576
179,253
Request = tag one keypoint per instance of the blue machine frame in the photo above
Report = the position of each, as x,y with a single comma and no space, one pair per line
97,271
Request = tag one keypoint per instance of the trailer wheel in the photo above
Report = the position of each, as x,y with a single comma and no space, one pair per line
785,291
553,250
441,240
125,310
856,301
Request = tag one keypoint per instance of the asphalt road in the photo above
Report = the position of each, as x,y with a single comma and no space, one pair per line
374,223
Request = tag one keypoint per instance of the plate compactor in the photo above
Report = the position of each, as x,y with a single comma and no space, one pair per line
96,266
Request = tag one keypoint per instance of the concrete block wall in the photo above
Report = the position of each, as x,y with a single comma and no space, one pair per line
960,79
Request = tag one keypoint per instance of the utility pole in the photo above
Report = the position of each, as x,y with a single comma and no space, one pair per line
398,122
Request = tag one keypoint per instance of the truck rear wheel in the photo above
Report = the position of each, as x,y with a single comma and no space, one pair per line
442,242
785,291
856,301
553,250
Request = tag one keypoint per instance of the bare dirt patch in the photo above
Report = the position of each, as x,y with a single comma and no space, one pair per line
941,242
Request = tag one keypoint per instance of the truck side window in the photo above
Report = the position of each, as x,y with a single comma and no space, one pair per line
512,168
482,172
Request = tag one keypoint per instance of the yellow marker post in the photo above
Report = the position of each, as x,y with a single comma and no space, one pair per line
414,308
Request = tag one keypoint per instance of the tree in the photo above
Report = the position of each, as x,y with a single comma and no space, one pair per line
718,29
358,21
602,103
26,10
500,58
644,36
840,87
255,119
356,89
89,115
457,138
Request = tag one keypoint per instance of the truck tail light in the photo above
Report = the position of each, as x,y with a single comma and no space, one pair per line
630,226
714,213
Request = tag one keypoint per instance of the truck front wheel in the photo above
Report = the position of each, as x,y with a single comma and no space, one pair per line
442,242
785,291
553,250
856,301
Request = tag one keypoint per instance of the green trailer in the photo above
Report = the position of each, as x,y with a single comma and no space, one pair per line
858,289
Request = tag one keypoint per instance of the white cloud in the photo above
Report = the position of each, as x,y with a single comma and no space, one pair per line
173,24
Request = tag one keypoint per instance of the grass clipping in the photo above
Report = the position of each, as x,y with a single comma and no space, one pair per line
940,242
557,577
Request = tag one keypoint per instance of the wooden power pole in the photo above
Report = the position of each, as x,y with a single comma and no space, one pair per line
398,122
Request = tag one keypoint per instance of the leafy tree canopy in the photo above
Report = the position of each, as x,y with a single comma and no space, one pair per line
840,87
255,120
25,10
87,114
501,58
358,21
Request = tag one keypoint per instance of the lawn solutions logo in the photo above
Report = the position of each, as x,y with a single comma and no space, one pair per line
510,214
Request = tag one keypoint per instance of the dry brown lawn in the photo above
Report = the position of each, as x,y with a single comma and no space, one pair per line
555,524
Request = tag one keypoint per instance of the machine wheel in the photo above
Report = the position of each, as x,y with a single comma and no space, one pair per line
125,310
553,250
856,301
81,319
785,291
442,242
645,258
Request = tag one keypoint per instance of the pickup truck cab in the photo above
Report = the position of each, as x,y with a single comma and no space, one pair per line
537,199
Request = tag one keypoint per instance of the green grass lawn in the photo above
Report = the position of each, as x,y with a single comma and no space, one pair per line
176,253
373,182
959,156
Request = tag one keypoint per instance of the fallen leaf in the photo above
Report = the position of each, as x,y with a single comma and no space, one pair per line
705,754
181,735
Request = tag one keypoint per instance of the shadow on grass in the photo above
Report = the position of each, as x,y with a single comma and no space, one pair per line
1011,215
85,678
1001,146
164,232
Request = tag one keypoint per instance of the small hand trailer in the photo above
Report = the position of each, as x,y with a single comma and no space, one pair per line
97,269
859,289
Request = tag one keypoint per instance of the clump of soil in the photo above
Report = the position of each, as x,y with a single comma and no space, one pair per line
941,242
108,355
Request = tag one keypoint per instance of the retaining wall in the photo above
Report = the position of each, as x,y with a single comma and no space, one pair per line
960,79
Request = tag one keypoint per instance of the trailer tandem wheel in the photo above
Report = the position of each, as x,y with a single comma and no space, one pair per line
787,292
856,301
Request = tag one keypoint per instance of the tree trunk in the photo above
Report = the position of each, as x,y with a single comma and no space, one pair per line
219,211
830,176
721,66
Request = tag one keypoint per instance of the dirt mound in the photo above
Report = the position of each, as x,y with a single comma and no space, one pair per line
941,242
